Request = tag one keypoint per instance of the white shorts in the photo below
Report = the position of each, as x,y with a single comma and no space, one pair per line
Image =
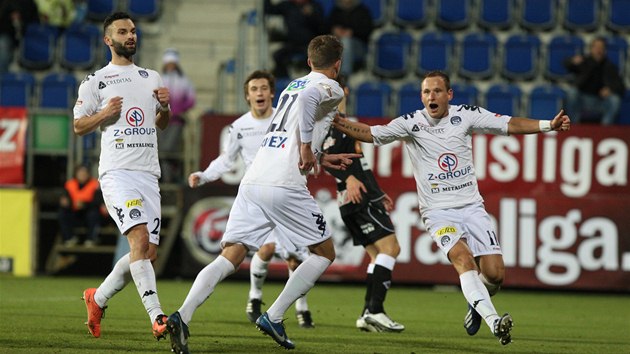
471,223
292,215
133,198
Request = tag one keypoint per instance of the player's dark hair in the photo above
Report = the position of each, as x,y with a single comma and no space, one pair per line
324,51
442,74
260,74
114,17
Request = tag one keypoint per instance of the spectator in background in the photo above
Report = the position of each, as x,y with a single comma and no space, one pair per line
598,85
81,202
14,16
183,95
56,13
351,21
304,20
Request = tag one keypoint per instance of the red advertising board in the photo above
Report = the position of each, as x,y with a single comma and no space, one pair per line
13,122
559,201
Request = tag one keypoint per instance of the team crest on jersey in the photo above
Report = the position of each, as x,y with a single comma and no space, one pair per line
456,120
447,162
445,240
120,144
101,85
143,73
135,117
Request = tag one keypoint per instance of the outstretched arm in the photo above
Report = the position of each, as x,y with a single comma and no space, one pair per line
518,125
357,130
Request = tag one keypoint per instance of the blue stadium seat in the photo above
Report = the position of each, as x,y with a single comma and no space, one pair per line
327,6
98,10
538,15
617,50
520,57
496,14
371,99
581,15
392,52
435,52
624,111
560,48
477,55
545,101
411,13
16,89
57,90
78,47
37,49
504,99
408,98
378,9
617,18
144,10
465,94
453,15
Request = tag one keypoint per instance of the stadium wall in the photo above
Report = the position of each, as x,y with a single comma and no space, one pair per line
559,202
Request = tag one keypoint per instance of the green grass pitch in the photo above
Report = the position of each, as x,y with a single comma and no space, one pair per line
46,315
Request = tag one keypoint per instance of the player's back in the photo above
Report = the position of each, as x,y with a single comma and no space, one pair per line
277,160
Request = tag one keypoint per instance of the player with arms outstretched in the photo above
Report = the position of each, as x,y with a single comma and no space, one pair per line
439,141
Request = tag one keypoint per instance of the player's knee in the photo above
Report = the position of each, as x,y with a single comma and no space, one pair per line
494,277
292,263
266,251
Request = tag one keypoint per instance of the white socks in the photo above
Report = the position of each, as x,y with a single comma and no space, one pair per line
257,276
204,285
115,282
299,283
477,295
301,304
385,260
144,276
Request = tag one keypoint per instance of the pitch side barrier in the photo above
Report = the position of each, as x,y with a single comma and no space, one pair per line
559,201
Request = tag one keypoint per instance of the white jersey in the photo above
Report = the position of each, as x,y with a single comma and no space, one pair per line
245,136
304,113
441,152
130,142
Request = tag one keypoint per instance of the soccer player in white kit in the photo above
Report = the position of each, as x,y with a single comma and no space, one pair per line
438,139
273,195
245,136
127,103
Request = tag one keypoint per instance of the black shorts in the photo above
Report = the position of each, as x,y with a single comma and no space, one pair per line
369,224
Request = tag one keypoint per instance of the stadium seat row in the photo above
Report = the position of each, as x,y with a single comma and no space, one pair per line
55,90
79,47
531,15
140,10
479,55
377,98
